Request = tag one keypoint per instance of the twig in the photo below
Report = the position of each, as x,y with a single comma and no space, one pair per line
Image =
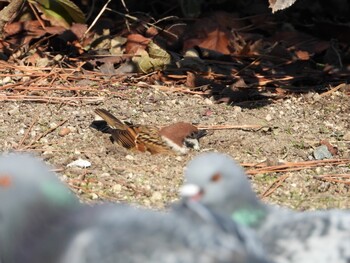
333,90
333,178
68,100
274,186
97,17
228,127
27,133
45,133
292,166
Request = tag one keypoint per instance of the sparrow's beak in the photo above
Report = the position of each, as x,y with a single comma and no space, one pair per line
191,191
200,134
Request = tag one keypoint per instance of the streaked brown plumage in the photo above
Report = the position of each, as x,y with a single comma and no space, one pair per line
174,137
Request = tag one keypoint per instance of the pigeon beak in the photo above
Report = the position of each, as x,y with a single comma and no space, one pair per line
191,191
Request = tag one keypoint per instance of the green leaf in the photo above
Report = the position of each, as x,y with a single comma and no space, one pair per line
61,12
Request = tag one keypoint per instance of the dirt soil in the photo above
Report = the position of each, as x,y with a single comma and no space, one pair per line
293,128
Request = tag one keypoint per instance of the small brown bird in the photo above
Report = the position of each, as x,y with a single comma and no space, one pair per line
177,137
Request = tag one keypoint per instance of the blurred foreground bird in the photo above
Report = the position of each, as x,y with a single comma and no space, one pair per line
42,221
178,137
218,182
109,233
31,197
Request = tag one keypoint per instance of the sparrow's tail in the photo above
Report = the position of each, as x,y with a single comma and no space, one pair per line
112,121
121,133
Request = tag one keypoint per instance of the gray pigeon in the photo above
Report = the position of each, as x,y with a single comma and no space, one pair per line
116,233
42,221
31,196
217,181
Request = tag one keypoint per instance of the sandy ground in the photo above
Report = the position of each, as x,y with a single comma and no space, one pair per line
293,128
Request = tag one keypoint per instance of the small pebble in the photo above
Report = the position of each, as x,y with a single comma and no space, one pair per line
129,157
53,125
237,109
347,136
79,163
64,131
116,188
93,196
178,158
322,152
156,196
208,101
316,97
268,117
6,80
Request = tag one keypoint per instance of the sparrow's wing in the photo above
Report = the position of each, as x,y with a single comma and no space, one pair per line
121,133
148,139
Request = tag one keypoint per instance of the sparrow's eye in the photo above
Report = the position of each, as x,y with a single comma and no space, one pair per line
216,177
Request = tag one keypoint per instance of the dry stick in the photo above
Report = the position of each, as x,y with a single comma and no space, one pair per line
333,90
45,133
292,166
97,17
36,15
274,186
27,133
57,150
334,175
227,127
333,178
68,100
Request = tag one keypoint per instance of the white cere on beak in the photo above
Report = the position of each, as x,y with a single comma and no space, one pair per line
189,190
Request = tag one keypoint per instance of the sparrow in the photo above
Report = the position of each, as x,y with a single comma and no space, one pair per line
177,137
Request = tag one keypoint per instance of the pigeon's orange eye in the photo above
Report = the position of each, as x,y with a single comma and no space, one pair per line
5,180
216,177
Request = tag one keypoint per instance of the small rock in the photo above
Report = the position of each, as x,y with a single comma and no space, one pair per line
21,131
208,101
316,97
105,175
178,158
129,157
64,131
79,163
53,125
207,112
14,110
6,80
156,196
318,170
93,196
58,57
268,117
237,109
347,136
322,152
116,188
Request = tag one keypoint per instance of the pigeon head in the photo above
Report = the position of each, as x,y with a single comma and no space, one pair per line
30,195
218,182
